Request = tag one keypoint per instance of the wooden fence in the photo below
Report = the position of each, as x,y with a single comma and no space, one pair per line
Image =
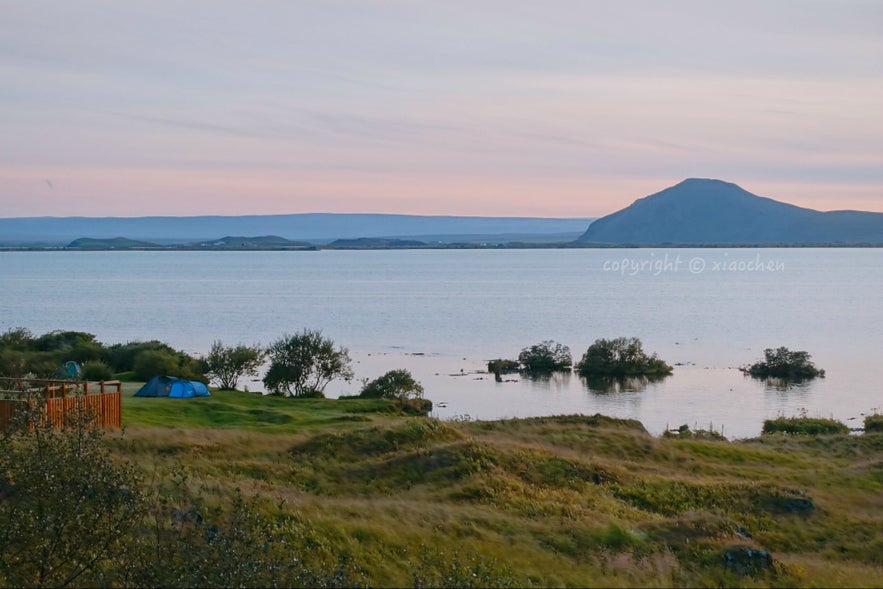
63,399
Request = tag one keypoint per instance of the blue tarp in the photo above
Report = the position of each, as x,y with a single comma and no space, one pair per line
170,386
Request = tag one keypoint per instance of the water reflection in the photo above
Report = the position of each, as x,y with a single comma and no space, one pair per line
783,385
550,381
606,385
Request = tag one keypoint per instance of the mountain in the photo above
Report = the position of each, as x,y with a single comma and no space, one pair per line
313,227
702,211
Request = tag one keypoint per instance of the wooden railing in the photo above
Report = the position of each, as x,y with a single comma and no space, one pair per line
63,399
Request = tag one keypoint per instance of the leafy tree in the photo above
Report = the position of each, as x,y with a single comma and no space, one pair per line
303,364
783,363
225,365
620,357
395,384
547,356
66,507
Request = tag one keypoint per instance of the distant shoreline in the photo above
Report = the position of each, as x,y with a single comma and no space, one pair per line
451,246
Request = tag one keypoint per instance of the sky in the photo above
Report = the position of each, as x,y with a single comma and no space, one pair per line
487,107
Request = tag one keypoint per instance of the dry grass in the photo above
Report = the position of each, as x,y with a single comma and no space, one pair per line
559,501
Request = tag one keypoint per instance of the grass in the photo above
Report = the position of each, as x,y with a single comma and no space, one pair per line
584,501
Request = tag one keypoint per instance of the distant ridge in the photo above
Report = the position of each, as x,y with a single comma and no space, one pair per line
701,211
312,227
120,243
263,241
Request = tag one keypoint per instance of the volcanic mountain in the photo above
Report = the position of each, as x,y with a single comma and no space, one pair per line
703,212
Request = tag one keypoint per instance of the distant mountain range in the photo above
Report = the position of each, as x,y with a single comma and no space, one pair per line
316,228
695,212
704,212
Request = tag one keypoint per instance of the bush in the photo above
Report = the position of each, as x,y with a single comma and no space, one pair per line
500,365
395,384
304,364
785,364
95,370
150,363
66,506
620,357
804,425
226,365
874,423
121,357
544,357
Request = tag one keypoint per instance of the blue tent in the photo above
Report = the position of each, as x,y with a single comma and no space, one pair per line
170,386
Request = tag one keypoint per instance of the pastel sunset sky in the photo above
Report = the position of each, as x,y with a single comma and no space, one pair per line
486,107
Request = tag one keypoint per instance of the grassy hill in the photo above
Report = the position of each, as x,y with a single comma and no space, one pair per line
390,500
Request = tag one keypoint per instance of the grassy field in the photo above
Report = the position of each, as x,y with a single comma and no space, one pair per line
584,501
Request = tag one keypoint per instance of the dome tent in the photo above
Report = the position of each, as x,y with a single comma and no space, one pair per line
170,386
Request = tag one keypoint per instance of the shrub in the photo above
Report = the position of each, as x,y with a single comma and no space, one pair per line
395,384
501,365
547,356
785,364
66,506
804,425
225,365
121,357
874,423
149,363
95,370
620,357
305,363
684,432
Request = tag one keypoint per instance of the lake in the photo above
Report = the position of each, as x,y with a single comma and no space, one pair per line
443,313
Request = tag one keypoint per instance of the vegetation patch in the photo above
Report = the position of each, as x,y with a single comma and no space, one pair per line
785,364
546,357
620,357
804,425
874,423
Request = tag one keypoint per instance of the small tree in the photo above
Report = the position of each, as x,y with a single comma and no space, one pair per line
395,384
225,365
303,364
783,363
547,356
620,357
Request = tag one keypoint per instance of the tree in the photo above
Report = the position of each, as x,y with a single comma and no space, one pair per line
395,384
547,356
783,363
620,357
225,365
303,364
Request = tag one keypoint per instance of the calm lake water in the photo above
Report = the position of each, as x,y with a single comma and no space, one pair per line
443,313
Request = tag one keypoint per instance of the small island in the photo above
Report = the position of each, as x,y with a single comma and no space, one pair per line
785,364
